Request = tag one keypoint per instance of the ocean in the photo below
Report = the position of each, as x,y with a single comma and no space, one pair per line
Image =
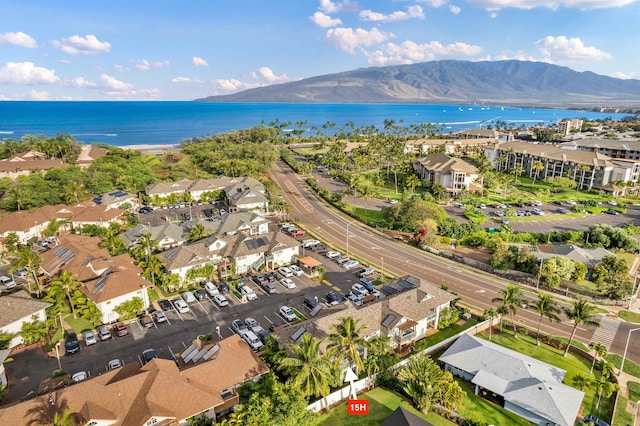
160,123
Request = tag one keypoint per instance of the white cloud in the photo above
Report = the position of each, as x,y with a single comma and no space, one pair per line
121,68
626,75
325,21
551,4
348,39
409,52
434,3
80,82
137,94
493,15
39,96
563,49
26,73
519,56
77,45
328,6
18,39
268,75
161,64
454,9
143,65
113,84
398,15
64,61
233,85
199,62
181,80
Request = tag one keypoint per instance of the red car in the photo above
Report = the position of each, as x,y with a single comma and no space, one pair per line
297,233
120,329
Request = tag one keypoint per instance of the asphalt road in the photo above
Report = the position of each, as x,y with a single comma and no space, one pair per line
472,286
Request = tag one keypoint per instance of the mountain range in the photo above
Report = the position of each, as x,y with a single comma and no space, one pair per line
508,82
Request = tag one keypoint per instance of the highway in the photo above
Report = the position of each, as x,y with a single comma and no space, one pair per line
473,287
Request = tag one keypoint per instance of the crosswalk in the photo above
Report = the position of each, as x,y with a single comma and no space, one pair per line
606,332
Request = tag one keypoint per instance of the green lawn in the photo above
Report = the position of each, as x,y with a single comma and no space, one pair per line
634,390
630,316
623,417
452,330
78,324
382,403
630,367
571,364
153,294
477,408
368,216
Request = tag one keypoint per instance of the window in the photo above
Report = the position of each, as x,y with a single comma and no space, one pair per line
152,421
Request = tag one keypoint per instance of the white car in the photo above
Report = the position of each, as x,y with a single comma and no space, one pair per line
354,299
221,300
612,203
288,314
285,272
7,282
253,325
80,376
181,306
211,289
350,264
89,338
188,297
309,243
159,316
248,291
359,287
332,254
114,363
287,283
22,272
297,271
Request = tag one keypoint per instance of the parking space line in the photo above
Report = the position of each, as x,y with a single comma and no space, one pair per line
267,318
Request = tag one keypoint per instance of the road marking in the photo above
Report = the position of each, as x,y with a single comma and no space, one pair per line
607,332
481,291
267,318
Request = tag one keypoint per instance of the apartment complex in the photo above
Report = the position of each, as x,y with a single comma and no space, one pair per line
615,148
452,173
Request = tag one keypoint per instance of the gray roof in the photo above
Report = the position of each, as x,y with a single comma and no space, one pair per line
587,256
18,305
169,230
523,381
403,417
443,163
621,144
230,223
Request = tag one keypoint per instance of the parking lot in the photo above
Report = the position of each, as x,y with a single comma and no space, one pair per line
176,333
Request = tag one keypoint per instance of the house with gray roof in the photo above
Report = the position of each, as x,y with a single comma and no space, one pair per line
19,308
246,193
627,148
589,257
409,310
523,385
454,174
168,235
246,222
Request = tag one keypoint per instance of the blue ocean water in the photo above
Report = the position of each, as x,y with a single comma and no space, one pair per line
150,123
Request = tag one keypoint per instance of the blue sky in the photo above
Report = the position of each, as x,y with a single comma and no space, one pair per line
181,50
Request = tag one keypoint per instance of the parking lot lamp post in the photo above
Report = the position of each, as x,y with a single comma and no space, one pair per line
626,346
58,357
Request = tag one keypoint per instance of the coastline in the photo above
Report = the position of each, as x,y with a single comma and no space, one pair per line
153,149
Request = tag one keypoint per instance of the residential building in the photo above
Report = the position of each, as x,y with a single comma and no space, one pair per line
19,308
88,154
589,169
167,235
403,417
455,147
566,127
452,173
523,385
481,133
106,280
164,189
28,162
158,393
405,317
245,222
246,193
627,148
589,257
116,199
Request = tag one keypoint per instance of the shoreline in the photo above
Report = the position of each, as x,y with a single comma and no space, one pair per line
153,149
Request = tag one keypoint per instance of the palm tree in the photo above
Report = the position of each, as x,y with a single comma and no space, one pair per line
583,168
511,299
346,341
605,387
517,170
309,368
581,312
65,282
600,350
412,182
196,232
490,314
546,307
379,356
581,381
146,244
18,195
502,159
152,267
27,258
423,380
502,311
536,167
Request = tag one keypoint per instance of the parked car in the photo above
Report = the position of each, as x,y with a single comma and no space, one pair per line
367,284
104,332
332,254
561,210
571,202
274,326
538,211
287,283
310,302
79,376
239,327
297,271
285,272
188,297
272,277
89,338
252,340
114,363
221,300
22,272
613,212
200,294
341,259
148,355
6,281
181,306
350,264
146,321
354,299
253,325
247,291
366,272
504,221
268,287
612,203
360,288
333,298
223,287
590,418
120,329
165,305
359,294
159,316
258,278
211,289
297,233
71,345
318,247
309,243
287,313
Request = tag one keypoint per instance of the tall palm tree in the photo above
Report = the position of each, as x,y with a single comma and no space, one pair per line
546,307
501,311
65,282
511,299
196,232
412,182
581,312
379,356
516,171
146,245
582,381
423,380
27,258
309,368
490,314
152,267
503,159
600,350
536,167
346,341
604,387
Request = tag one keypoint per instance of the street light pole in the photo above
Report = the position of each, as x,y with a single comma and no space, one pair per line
382,272
539,274
348,223
58,357
633,293
626,346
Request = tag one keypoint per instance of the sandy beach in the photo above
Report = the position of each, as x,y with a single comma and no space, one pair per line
153,149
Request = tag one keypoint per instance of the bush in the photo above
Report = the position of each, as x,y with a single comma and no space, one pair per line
388,380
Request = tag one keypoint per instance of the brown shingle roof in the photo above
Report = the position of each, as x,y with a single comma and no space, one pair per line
19,305
552,152
444,164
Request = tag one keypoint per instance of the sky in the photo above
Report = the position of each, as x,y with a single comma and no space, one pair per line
182,50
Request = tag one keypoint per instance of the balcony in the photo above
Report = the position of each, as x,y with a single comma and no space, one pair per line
408,336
